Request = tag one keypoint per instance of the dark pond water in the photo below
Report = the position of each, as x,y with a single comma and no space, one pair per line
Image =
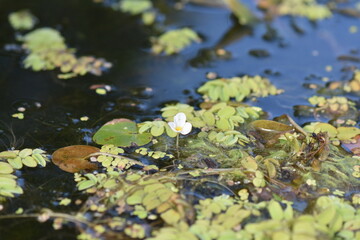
298,53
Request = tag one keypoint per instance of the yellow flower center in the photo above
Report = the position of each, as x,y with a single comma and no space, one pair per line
178,128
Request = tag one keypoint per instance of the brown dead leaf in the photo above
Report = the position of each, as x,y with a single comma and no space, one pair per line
73,158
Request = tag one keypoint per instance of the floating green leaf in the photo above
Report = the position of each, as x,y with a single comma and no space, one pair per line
135,7
174,41
47,51
5,168
121,134
22,20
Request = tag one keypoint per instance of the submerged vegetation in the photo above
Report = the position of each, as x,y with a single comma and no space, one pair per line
215,168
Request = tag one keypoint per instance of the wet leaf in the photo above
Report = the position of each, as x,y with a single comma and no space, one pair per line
86,184
345,133
72,158
269,131
275,210
121,134
15,162
39,159
325,127
226,112
136,198
29,161
25,152
5,168
9,154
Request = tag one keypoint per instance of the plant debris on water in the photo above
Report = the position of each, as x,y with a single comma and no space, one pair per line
214,168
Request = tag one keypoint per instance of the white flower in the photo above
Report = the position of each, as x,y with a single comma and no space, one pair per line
180,125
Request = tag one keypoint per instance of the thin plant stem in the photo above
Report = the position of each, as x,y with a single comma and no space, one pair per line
177,145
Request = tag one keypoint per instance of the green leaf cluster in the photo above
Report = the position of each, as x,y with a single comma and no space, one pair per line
112,149
174,41
138,7
219,123
93,181
304,8
22,20
111,162
220,116
340,133
135,7
11,161
48,51
334,105
153,154
156,128
225,218
239,88
228,138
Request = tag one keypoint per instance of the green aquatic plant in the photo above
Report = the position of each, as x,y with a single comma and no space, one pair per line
13,160
121,133
153,154
303,8
22,20
135,7
339,109
226,218
48,51
334,105
174,41
238,88
156,128
219,123
335,134
139,7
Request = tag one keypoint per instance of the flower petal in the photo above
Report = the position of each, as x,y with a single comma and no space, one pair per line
180,119
173,126
186,129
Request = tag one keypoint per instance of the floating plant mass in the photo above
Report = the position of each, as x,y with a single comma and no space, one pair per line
47,50
235,175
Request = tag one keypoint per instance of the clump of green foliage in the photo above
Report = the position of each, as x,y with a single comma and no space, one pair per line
174,41
48,51
220,123
341,109
22,20
139,7
304,8
334,105
13,160
340,133
223,218
234,176
135,7
238,88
